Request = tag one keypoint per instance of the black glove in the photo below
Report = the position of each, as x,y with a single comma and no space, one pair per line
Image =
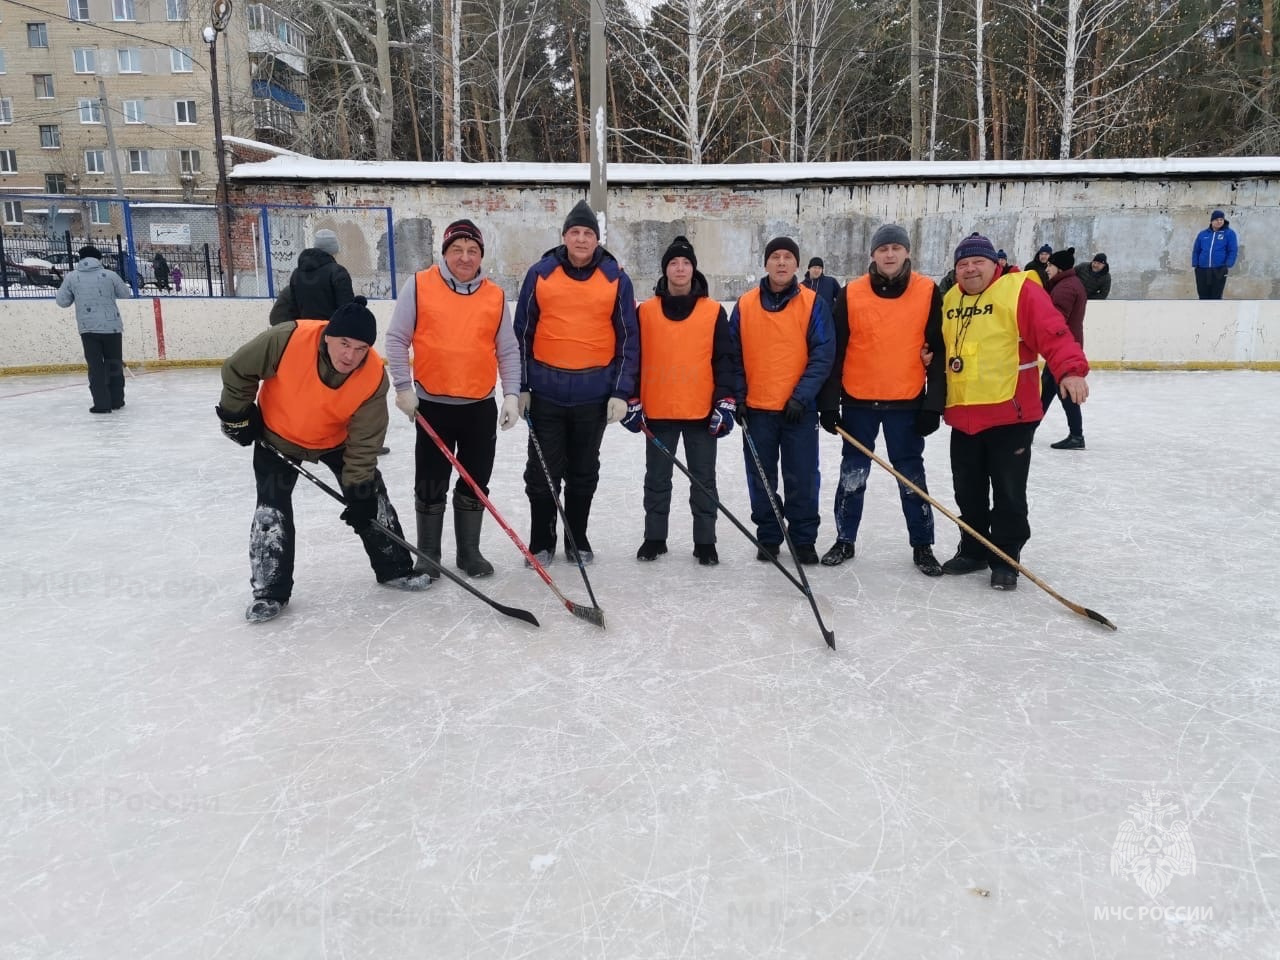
794,411
740,413
927,422
830,419
362,507
243,427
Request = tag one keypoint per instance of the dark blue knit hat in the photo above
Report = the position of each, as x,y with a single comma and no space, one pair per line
975,245
1217,215
1045,249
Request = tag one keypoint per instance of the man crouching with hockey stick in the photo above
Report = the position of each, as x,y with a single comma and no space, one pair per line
320,392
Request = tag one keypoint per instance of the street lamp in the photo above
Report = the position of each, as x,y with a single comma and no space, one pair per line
221,17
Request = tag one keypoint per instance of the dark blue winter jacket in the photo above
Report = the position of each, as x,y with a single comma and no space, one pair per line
1215,248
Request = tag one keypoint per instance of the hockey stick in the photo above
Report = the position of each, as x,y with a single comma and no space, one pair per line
719,506
551,488
1074,607
590,614
827,635
515,612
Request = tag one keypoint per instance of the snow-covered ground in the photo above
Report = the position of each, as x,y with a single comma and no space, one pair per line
385,775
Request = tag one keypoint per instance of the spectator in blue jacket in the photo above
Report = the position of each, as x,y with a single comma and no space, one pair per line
816,279
1212,255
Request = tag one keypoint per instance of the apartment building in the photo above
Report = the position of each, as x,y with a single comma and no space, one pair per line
59,57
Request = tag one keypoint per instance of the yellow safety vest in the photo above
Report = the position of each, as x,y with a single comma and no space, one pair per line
981,334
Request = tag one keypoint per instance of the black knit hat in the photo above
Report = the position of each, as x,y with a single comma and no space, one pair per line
816,262
975,245
1099,258
90,251
461,230
680,247
581,216
355,321
781,243
1063,259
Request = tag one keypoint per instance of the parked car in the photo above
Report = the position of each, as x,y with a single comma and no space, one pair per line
37,272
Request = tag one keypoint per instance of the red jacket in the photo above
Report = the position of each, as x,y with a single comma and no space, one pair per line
1070,296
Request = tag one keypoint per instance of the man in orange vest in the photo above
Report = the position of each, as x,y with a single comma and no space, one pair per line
580,356
321,395
450,337
993,326
883,321
687,389
784,333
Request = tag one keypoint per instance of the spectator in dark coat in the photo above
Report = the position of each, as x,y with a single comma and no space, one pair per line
1095,276
1040,265
318,287
1069,296
827,288
1213,255
160,270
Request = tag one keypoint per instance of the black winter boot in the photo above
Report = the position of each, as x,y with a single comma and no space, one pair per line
840,551
430,528
577,510
468,515
923,558
706,554
651,549
542,527
1071,442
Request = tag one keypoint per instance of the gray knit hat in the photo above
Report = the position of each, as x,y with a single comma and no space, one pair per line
327,241
887,234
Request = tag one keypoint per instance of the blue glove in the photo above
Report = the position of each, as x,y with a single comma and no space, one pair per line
722,416
634,419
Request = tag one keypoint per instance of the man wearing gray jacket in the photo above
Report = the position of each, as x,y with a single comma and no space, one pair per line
94,289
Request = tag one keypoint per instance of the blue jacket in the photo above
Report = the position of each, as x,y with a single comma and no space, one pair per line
1215,248
572,387
94,289
819,337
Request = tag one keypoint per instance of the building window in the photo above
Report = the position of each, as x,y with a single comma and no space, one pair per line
78,9
12,212
55,183
122,10
8,161
2,67
90,110
6,110
130,60
133,111
139,161
44,86
50,138
85,59
175,9
95,161
189,161
184,111
37,35
99,211
180,59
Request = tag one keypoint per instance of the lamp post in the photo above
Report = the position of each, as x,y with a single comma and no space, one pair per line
221,17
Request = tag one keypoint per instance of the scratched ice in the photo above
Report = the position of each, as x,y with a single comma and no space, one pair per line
384,775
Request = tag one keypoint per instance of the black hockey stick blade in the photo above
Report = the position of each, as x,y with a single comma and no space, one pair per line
593,615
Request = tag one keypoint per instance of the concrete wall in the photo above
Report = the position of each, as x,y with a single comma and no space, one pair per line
1145,225
36,334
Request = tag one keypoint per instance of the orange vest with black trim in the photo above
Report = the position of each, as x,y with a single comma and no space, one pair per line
575,321
676,382
297,405
775,347
886,335
454,351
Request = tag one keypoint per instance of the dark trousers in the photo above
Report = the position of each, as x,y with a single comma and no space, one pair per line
570,439
1210,282
906,453
271,535
700,454
103,352
1049,390
470,431
796,444
989,471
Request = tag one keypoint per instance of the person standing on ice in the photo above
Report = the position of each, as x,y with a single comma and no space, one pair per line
316,391
883,321
579,361
993,326
783,331
1070,298
687,389
450,337
94,289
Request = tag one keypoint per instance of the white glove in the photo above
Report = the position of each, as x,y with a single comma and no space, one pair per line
525,397
510,411
616,410
407,401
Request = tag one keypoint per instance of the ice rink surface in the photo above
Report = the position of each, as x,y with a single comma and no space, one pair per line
382,775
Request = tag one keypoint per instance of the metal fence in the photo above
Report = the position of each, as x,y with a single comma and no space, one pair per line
174,249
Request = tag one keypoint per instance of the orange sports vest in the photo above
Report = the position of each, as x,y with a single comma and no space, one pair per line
454,351
882,361
297,405
575,321
675,361
775,347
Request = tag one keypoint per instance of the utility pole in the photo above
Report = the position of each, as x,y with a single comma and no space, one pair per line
221,17
599,121
111,138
